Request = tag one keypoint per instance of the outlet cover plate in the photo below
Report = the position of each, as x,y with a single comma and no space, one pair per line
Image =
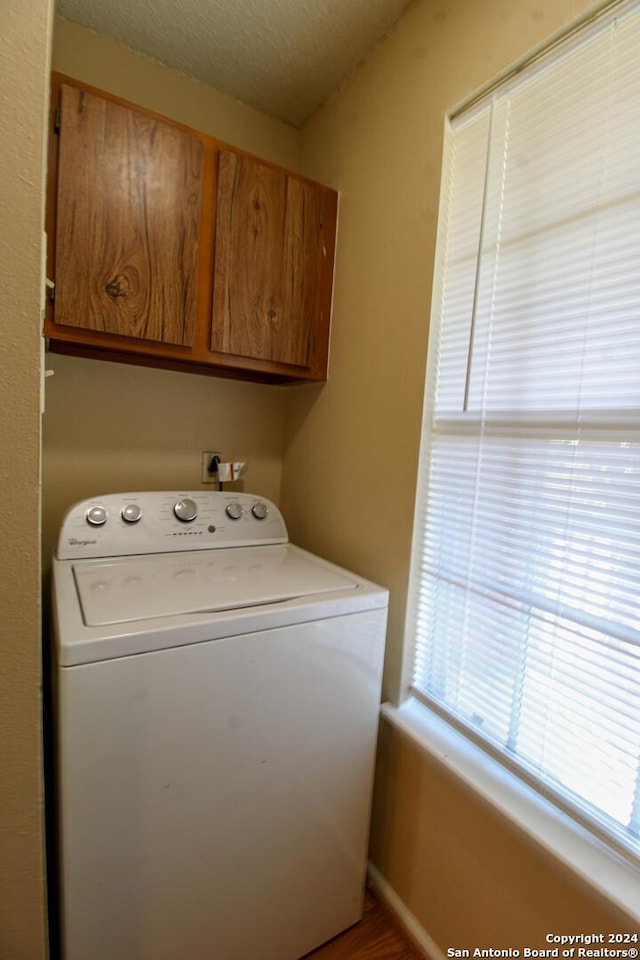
205,459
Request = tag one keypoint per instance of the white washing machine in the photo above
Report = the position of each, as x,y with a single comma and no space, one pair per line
216,711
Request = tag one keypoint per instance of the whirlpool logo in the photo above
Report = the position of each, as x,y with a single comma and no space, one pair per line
75,542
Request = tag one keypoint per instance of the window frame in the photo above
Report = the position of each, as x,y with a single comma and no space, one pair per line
466,421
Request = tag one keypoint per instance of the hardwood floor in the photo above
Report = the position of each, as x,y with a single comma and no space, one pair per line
376,937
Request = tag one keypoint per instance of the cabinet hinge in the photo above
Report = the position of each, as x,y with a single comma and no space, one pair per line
57,117
51,290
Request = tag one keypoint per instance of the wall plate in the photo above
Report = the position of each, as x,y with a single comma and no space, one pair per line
205,459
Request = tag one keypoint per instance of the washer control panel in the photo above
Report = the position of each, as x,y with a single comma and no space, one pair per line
125,524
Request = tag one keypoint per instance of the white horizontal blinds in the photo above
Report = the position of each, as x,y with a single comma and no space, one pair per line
526,580
462,199
562,245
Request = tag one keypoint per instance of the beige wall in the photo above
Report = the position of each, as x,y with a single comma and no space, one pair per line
108,65
24,53
115,427
352,448
470,877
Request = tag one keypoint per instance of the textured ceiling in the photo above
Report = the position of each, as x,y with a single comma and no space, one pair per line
285,57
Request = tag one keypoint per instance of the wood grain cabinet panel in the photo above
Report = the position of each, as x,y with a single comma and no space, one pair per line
269,239
128,221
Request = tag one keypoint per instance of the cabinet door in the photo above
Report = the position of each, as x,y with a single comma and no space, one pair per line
128,205
268,263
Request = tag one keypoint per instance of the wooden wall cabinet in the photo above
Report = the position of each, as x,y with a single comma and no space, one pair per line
170,249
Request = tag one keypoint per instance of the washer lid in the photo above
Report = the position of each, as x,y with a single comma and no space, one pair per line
164,585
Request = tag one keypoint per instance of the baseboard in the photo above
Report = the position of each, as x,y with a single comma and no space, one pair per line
410,927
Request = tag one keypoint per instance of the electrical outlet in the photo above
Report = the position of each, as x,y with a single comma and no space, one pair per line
205,461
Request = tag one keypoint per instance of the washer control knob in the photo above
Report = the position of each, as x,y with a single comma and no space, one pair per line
234,511
185,510
259,510
96,516
131,513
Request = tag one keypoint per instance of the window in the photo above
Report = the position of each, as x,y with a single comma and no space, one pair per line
525,597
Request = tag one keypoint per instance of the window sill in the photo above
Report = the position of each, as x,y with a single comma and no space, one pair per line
568,841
